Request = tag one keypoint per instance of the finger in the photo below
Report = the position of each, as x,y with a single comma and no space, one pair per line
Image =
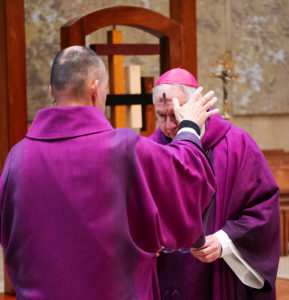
196,251
210,251
208,259
210,103
212,248
213,112
206,245
196,94
212,257
207,97
204,252
196,254
200,249
176,103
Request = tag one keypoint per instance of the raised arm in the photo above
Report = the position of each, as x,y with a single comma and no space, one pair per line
176,184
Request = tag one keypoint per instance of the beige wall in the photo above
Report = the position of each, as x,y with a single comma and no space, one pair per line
270,132
259,42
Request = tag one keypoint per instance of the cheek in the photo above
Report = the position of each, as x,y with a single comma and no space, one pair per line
162,123
172,123
161,120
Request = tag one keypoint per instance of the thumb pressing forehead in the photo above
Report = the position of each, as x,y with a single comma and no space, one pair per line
176,102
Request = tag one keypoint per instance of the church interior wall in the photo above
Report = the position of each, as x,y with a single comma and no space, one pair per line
256,32
269,131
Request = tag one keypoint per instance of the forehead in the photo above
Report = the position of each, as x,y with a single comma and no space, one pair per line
165,92
170,90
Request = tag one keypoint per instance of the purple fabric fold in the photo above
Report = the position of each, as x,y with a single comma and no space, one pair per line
84,207
246,208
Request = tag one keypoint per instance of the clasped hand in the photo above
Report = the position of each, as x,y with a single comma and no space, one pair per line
210,251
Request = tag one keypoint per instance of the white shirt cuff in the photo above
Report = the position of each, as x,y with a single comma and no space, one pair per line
237,263
188,129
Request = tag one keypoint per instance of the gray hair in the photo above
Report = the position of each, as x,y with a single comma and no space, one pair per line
73,66
188,90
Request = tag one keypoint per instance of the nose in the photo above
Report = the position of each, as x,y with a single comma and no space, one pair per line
171,123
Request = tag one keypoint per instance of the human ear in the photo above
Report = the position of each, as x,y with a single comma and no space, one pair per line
51,92
95,92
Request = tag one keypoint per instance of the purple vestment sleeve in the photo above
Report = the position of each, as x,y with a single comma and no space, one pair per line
247,209
253,224
187,136
179,186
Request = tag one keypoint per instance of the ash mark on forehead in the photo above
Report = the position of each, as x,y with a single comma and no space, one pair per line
164,98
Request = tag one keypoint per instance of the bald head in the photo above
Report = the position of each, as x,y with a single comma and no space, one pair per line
74,68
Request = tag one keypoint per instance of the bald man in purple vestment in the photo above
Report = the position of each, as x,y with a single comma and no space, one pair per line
240,257
85,207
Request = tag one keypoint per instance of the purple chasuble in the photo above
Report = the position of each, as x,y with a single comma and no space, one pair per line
85,207
246,208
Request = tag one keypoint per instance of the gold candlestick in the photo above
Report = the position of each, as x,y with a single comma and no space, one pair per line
226,75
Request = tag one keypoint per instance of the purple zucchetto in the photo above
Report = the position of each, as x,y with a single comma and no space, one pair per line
178,76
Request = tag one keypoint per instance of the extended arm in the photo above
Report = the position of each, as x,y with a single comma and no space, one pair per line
176,183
